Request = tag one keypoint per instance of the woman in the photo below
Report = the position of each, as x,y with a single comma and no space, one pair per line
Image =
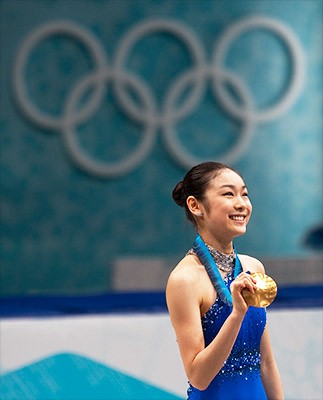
224,344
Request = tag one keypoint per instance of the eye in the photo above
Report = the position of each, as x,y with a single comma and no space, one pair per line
228,194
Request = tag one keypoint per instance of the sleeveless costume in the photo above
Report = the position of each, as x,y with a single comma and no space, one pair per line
239,378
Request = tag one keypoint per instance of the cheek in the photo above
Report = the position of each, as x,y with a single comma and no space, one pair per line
248,217
249,207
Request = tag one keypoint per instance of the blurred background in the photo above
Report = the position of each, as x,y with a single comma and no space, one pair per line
104,107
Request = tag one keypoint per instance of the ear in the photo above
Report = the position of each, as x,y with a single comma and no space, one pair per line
194,206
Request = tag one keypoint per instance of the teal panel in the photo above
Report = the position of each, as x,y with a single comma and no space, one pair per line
73,377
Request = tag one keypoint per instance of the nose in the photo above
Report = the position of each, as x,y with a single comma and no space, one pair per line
240,203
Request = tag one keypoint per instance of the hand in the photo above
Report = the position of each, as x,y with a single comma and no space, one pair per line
242,281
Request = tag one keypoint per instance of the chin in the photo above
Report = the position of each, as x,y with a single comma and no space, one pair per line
240,232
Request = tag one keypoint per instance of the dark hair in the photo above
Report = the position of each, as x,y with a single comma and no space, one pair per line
196,183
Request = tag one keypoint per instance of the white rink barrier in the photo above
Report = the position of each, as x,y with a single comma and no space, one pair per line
126,355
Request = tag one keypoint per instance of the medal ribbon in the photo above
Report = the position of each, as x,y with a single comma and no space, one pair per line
202,252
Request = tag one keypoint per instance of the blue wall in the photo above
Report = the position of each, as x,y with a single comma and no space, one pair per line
63,226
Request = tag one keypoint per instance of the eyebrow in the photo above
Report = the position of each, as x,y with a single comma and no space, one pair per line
232,186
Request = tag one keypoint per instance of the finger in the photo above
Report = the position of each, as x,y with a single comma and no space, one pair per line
246,282
246,275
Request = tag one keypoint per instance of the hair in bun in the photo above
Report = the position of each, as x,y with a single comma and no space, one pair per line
179,194
195,183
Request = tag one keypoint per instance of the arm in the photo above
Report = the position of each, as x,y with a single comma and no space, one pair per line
201,363
269,371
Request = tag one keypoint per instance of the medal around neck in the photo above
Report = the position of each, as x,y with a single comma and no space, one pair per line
265,293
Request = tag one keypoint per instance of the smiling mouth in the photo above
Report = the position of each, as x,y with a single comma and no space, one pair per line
239,218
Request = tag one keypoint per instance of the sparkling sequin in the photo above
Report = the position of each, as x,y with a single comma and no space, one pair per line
243,363
225,262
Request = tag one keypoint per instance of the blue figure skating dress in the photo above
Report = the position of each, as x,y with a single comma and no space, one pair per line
239,379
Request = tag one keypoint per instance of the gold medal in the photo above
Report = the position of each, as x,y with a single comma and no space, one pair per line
265,293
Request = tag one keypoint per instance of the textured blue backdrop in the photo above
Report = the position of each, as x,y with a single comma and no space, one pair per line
62,229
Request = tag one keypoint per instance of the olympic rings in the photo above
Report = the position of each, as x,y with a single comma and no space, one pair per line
148,114
100,168
136,34
296,54
242,143
55,28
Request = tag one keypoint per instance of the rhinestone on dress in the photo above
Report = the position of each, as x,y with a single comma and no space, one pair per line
225,262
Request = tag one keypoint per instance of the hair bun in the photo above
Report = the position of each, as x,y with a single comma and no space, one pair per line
179,194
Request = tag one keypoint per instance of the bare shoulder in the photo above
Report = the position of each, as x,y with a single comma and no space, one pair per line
251,264
183,274
183,281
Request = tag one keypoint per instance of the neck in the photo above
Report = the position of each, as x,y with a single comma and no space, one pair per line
224,246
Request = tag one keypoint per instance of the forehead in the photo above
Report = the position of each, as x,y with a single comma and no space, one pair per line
227,177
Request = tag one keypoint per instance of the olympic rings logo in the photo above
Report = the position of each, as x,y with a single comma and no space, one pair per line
148,114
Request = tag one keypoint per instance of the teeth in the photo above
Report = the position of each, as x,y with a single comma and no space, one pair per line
237,217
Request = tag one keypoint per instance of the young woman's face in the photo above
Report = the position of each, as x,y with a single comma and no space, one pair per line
228,205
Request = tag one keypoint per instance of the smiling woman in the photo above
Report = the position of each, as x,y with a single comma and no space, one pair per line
224,342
